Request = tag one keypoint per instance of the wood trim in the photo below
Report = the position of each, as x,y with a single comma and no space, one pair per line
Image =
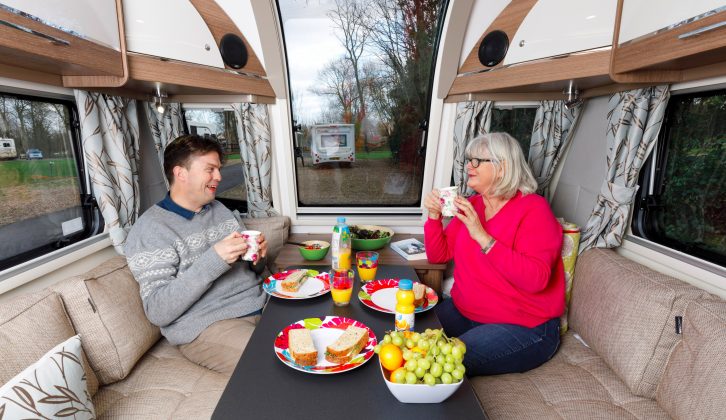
154,69
508,21
220,24
81,57
221,99
610,89
518,96
106,81
19,73
662,51
575,66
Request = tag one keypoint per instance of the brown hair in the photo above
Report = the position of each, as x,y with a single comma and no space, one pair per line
180,151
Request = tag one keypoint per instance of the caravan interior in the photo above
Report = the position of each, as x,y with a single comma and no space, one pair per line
619,107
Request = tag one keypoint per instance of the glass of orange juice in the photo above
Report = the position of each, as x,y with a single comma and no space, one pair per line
367,262
341,286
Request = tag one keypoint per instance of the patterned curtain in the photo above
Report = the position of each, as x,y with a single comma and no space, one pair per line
164,128
255,147
110,133
553,129
472,120
634,120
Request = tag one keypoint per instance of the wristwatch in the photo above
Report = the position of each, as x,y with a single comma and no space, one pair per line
488,247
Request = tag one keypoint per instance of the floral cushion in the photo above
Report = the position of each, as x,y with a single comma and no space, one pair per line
570,246
54,386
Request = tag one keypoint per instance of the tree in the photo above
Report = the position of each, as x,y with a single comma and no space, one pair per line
336,81
350,17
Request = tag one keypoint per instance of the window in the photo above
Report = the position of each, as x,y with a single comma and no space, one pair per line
360,76
43,195
221,125
518,121
683,184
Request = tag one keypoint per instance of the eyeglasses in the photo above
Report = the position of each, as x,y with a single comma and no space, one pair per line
475,162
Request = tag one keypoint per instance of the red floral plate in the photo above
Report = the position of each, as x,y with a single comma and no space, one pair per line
317,284
324,332
381,296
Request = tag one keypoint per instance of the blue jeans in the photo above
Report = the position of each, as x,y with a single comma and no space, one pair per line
494,349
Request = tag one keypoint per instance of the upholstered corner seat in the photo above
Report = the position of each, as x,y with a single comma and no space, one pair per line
132,372
635,363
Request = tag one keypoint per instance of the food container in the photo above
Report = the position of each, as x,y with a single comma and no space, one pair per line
371,244
314,254
419,393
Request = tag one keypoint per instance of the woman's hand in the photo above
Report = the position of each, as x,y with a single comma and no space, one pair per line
470,219
262,243
432,202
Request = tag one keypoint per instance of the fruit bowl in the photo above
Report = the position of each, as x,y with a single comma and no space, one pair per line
314,254
371,244
419,393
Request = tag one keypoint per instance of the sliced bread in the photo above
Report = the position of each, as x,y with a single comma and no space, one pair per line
294,280
301,347
347,346
419,294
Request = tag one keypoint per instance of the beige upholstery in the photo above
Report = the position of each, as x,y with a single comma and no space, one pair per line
694,382
575,384
142,380
626,313
30,326
163,385
106,310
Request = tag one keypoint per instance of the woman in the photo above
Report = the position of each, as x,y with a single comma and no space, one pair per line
509,282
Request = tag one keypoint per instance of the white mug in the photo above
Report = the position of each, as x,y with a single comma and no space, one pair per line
253,248
447,196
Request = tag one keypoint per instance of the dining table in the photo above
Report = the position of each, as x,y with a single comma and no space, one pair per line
263,387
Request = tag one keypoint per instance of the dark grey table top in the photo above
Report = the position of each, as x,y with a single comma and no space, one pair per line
262,387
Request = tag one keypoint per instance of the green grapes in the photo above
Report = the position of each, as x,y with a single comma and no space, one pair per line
429,357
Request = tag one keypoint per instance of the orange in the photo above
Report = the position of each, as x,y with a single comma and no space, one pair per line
391,356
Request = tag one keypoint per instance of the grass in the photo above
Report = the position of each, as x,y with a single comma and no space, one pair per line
375,154
21,172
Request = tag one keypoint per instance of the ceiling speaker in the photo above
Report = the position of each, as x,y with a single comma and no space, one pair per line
493,48
233,50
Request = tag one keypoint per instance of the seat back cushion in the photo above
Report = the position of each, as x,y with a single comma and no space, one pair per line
694,382
105,307
30,326
626,313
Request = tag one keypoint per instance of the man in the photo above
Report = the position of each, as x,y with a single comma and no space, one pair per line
185,253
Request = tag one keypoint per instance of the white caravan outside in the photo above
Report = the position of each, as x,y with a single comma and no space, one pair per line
333,143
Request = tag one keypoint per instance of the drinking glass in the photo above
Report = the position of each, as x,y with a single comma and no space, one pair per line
367,262
341,286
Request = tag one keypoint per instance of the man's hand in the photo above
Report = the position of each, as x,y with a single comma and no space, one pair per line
231,248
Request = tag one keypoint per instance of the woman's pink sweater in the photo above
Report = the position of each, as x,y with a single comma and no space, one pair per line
521,280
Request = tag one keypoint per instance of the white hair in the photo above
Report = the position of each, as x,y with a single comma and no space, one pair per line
507,155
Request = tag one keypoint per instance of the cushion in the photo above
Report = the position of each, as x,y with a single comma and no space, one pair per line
276,230
570,246
54,386
30,326
575,384
164,384
106,310
626,313
693,383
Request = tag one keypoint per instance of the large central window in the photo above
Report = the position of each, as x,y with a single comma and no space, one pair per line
360,82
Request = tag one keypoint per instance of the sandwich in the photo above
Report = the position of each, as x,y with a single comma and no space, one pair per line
301,347
347,346
294,280
419,294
